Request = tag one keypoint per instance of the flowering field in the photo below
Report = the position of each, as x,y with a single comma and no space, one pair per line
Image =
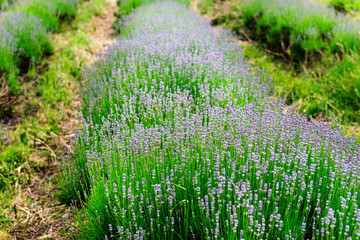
181,139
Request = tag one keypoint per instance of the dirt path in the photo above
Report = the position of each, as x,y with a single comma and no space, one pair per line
36,213
101,32
194,6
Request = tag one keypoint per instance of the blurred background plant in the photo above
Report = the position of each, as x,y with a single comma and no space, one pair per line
24,39
345,6
313,60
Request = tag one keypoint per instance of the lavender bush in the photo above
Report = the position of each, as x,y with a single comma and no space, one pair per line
127,6
300,28
4,4
49,11
182,140
7,49
23,39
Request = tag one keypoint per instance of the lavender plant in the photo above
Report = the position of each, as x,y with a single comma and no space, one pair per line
182,140
4,4
49,11
23,40
127,6
7,49
24,27
300,28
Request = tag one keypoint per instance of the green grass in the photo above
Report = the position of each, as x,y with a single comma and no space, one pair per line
44,109
332,85
12,158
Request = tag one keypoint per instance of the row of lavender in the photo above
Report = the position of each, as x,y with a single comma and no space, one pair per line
23,34
301,28
182,140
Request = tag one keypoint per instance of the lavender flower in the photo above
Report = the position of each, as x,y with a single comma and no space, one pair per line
176,121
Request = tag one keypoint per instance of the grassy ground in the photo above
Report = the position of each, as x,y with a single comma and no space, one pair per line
36,133
331,84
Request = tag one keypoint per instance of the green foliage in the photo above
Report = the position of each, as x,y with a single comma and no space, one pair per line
10,159
345,5
7,59
343,88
